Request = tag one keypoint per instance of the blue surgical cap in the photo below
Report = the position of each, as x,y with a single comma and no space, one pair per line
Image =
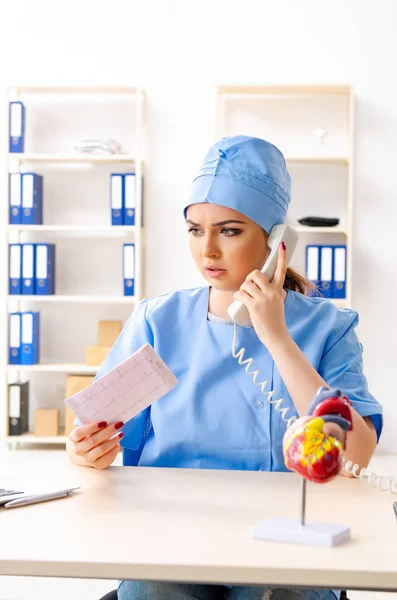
247,174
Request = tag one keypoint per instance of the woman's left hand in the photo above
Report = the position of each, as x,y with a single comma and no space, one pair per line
265,301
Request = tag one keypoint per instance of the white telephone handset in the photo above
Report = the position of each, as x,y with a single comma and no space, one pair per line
280,233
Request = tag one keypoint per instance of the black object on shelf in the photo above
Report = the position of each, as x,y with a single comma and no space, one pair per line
319,221
18,408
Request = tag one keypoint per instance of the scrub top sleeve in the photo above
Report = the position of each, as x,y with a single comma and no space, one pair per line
134,335
341,367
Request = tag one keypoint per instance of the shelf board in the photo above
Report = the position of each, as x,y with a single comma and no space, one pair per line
26,89
59,298
317,159
340,302
265,90
30,438
306,229
75,368
107,230
72,158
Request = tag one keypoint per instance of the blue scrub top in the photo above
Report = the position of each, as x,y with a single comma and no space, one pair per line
216,417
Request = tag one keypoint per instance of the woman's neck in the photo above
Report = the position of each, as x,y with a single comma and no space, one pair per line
219,301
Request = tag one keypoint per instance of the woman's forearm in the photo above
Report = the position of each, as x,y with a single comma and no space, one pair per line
300,377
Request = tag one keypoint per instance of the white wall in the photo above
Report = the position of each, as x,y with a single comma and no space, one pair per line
178,51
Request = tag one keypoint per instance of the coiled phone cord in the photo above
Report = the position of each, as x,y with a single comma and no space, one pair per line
383,482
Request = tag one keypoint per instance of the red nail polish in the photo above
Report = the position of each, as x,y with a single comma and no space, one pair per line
102,424
118,425
121,435
283,246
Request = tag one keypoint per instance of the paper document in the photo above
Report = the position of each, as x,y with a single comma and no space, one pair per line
125,391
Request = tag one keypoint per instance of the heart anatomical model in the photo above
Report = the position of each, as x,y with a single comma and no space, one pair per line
313,445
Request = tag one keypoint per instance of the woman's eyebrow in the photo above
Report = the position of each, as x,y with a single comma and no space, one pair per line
217,224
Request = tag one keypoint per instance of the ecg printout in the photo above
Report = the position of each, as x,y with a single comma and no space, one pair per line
125,391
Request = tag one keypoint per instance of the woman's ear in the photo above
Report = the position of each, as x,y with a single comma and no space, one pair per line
267,249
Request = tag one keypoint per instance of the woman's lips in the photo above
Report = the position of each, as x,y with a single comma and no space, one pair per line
214,272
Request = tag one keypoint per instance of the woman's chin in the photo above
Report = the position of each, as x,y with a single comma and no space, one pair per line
223,286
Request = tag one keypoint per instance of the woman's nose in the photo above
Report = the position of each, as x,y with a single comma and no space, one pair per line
209,247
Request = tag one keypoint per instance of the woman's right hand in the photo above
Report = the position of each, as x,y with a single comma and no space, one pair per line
93,445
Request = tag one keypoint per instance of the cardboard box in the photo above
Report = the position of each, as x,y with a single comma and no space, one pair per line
74,384
46,421
108,332
95,355
69,418
77,383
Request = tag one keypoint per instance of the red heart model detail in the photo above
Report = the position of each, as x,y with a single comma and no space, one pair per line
313,445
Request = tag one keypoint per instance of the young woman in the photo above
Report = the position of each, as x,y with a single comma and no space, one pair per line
216,417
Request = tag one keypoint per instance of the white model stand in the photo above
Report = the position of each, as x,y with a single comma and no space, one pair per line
301,531
292,531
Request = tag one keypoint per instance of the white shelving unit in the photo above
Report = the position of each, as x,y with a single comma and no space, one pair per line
343,160
75,368
72,112
58,298
321,171
28,439
74,229
73,158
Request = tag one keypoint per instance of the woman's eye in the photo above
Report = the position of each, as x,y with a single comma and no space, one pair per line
225,231
229,232
193,230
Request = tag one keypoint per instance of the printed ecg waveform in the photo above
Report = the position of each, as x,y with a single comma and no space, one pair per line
126,390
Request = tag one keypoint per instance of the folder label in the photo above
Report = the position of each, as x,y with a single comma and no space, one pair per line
339,283
32,199
45,269
129,199
28,259
16,120
15,198
326,271
312,263
27,192
15,269
340,266
41,262
129,269
129,266
27,328
326,264
15,189
117,192
15,261
116,199
30,338
15,331
14,402
18,408
16,127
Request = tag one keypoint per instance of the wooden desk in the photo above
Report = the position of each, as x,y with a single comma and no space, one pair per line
189,525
